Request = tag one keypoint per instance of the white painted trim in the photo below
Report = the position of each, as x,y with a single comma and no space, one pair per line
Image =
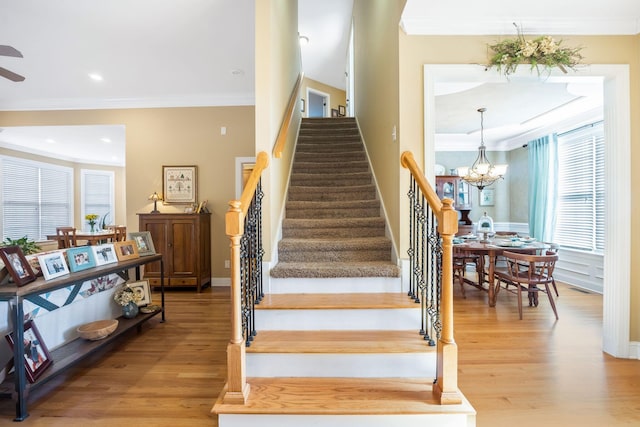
239,162
474,25
617,280
634,350
326,111
204,100
221,281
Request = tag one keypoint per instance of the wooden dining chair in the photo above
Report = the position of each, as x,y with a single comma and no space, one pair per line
461,259
66,237
551,250
119,232
528,272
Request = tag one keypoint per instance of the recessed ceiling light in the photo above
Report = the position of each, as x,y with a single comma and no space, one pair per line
96,77
50,141
105,140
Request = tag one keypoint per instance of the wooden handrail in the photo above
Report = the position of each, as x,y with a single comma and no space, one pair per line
237,390
281,139
408,162
262,161
446,386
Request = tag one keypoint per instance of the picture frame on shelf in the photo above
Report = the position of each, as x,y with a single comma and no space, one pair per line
104,254
53,265
141,288
144,242
180,184
80,258
36,354
334,113
342,111
17,265
487,197
126,250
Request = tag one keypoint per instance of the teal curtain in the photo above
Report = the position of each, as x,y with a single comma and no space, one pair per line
543,174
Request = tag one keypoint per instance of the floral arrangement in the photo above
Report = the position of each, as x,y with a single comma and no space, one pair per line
91,219
542,51
126,295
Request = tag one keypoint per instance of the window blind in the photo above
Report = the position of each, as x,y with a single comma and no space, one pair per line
36,198
98,194
580,221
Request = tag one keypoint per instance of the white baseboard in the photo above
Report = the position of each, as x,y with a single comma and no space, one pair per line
220,281
634,350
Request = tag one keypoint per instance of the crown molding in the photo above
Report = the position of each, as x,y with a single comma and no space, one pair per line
206,100
493,26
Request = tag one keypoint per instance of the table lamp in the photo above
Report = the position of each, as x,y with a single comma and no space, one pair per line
155,197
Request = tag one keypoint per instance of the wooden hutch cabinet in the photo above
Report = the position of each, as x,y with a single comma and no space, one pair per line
185,242
453,187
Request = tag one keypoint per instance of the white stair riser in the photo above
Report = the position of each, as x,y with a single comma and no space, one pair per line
338,320
333,285
421,420
388,365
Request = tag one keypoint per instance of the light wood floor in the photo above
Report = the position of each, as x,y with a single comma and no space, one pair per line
530,372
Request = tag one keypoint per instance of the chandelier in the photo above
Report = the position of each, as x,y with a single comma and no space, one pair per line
482,173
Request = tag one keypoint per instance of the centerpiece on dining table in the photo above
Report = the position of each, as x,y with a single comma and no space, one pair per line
91,220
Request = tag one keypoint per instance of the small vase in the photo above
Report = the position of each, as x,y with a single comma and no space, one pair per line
130,310
93,228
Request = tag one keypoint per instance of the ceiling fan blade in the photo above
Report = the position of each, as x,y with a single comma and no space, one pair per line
10,51
10,75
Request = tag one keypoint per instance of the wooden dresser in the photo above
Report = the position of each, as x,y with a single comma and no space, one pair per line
185,241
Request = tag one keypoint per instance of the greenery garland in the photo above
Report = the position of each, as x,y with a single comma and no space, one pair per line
542,51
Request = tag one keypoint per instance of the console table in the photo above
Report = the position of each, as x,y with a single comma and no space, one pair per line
72,352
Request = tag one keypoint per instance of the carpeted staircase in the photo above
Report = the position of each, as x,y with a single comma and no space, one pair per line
333,225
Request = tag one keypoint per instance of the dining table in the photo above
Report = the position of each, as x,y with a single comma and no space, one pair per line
91,237
492,249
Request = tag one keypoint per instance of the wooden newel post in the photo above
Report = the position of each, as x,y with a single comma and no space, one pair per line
446,387
237,389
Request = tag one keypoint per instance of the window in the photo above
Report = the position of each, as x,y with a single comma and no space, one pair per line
36,198
97,195
580,221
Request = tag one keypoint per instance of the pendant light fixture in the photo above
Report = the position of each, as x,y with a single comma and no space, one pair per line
482,173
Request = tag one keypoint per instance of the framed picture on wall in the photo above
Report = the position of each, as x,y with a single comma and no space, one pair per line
342,111
487,197
180,184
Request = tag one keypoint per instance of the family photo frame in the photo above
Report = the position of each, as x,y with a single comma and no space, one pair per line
36,354
80,258
141,288
104,254
53,265
180,184
17,265
144,242
126,250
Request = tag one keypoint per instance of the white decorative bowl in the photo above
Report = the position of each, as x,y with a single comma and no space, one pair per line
97,330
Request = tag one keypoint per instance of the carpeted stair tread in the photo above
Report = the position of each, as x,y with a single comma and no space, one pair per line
335,269
331,179
333,225
317,244
331,157
333,209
